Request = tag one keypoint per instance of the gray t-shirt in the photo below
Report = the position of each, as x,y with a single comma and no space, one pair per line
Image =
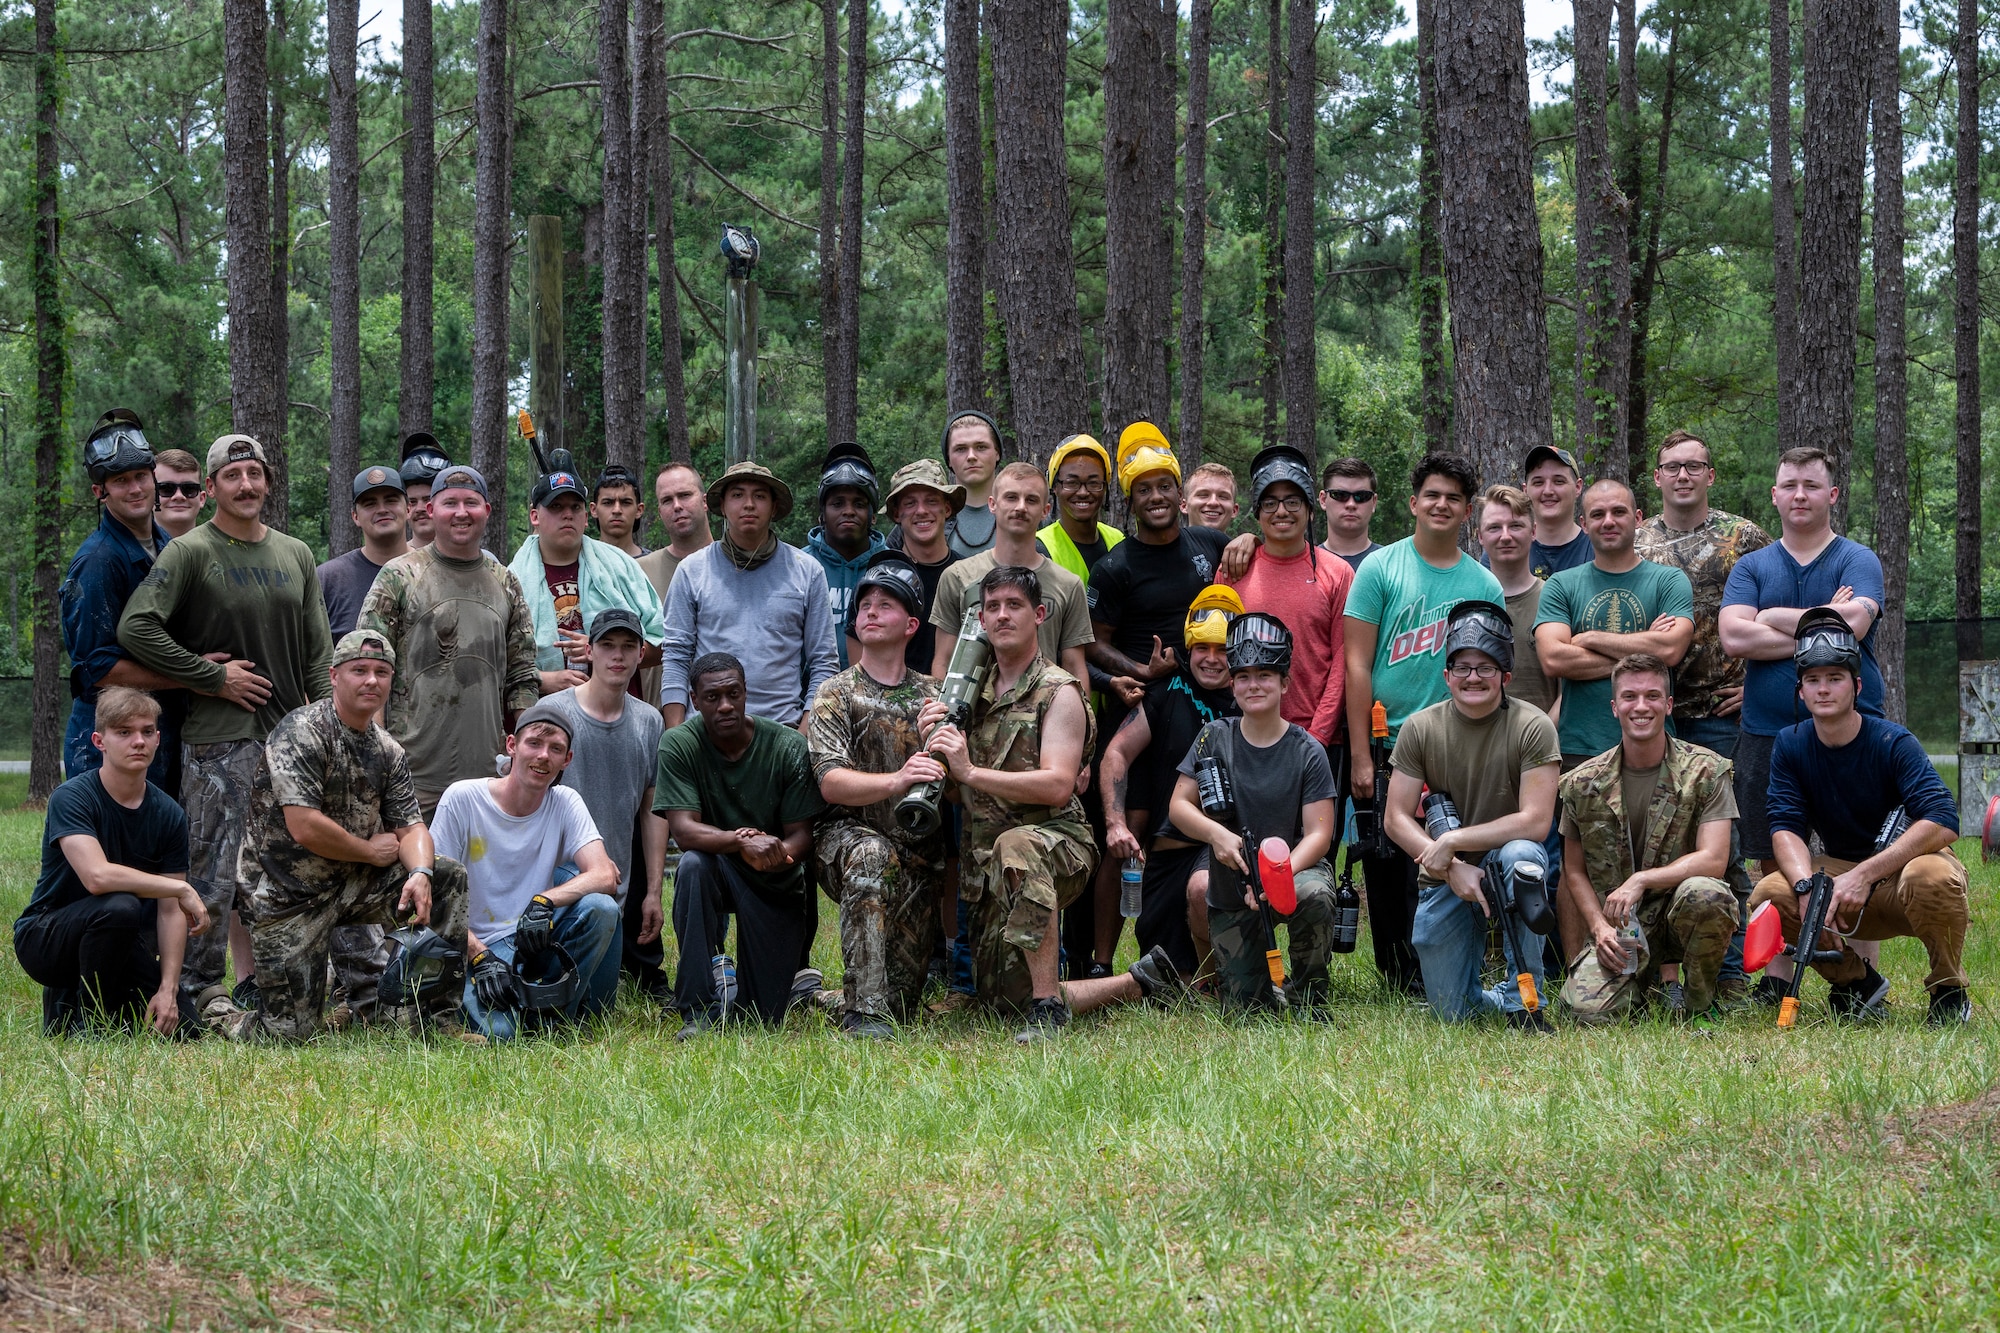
1274,784
611,767
344,582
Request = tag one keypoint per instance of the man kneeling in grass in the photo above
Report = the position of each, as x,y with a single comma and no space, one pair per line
1645,829
512,833
1028,851
111,843
334,838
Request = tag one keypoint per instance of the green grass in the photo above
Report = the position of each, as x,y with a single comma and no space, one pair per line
1150,1171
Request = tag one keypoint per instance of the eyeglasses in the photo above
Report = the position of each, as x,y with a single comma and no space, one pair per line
1485,671
1349,497
1686,469
1290,504
1088,486
190,489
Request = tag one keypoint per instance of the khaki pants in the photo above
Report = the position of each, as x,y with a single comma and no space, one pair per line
1926,902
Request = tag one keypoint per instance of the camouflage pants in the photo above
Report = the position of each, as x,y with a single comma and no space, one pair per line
1690,926
291,948
887,891
1013,890
1239,942
215,791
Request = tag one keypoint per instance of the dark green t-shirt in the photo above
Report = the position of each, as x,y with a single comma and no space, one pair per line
770,786
1587,598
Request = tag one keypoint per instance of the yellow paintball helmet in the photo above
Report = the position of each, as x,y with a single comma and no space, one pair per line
1142,448
1209,616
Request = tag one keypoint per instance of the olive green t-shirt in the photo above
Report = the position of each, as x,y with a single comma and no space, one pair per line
1478,762
768,786
1067,624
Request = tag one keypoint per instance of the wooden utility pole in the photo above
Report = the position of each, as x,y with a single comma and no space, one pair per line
741,302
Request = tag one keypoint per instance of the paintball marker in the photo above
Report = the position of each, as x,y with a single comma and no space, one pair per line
1818,891
1514,904
528,433
1371,832
1218,801
918,813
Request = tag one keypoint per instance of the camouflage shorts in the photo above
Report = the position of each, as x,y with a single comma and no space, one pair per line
1014,890
1240,943
887,891
1690,926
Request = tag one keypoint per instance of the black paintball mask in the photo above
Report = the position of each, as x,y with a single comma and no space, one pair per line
548,981
421,967
1825,639
849,465
117,443
892,572
423,458
1482,626
1258,639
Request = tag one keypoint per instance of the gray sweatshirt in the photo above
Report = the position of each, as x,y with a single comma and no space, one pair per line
776,619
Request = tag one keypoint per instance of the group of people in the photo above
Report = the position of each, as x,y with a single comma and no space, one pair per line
414,785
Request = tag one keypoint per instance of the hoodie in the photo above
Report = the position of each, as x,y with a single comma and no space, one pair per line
842,575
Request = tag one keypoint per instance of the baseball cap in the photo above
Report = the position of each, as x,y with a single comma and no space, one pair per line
1542,452
458,477
229,449
561,482
616,617
377,479
357,644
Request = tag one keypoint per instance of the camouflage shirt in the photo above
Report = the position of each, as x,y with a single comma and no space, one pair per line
860,723
1007,735
1706,555
465,656
358,779
1692,782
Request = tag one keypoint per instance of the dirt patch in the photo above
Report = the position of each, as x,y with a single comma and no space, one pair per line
1927,1136
47,1291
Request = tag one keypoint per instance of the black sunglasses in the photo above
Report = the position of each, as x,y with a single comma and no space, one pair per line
1342,497
188,488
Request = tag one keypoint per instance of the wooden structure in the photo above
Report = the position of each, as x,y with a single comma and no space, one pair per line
1978,743
545,330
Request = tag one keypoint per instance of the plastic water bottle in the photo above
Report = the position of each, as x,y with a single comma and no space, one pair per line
1632,938
1131,880
723,968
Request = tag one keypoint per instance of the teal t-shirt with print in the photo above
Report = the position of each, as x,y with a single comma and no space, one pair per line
1407,599
1586,598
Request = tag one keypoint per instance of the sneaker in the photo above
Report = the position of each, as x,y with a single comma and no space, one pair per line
1863,1000
1770,992
1159,980
1523,1021
806,983
247,996
1950,1007
698,1025
865,1027
1675,1001
1046,1020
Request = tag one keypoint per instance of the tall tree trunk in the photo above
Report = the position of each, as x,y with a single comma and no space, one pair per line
656,107
417,377
1135,321
829,212
1892,469
492,238
1965,325
1301,125
1037,264
1492,241
1647,276
848,372
51,410
277,444
253,367
1272,390
343,271
965,210
1603,259
1194,232
1839,59
1436,392
1784,230
624,418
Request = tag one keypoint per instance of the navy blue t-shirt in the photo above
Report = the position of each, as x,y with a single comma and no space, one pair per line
153,838
1769,577
1545,562
1845,793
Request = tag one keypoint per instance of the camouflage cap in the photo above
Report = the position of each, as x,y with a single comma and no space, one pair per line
781,494
927,474
358,644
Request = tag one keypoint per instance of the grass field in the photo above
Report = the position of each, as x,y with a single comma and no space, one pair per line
1150,1171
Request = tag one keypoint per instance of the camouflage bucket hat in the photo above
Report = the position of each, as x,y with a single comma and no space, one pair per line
781,494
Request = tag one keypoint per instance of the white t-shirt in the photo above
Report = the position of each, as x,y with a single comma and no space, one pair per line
507,860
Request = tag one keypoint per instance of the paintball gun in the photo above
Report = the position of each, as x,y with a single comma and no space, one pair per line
1218,801
1818,893
918,813
527,424
1371,832
1520,902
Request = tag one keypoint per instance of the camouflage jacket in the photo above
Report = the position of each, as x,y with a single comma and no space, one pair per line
862,724
1592,796
1706,555
1007,735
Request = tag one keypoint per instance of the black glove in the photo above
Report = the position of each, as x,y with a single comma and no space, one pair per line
493,982
536,929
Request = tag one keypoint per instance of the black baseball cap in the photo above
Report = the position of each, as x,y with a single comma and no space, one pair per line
551,484
616,617
377,479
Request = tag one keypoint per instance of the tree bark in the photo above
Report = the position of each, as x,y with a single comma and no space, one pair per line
253,367
848,371
1603,259
277,445
417,378
1037,277
1492,241
51,409
1436,392
1135,318
830,322
1274,218
343,271
492,237
1784,230
1647,276
1965,326
624,404
1301,137
1194,233
1892,470
656,108
965,210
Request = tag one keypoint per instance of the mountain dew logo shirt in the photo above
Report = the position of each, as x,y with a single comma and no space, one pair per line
1407,599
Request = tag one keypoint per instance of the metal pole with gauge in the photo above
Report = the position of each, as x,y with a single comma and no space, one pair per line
739,423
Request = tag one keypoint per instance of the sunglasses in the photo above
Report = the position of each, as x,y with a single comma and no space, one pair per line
1349,497
190,489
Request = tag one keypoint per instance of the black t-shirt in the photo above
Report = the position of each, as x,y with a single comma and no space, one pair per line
1176,710
153,838
1273,786
1092,552
918,652
1142,591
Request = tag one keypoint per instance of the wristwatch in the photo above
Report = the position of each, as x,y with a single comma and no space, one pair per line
425,871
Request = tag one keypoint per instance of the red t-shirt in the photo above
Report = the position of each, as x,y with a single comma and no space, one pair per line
1309,593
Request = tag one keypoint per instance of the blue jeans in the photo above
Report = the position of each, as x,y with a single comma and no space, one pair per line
587,930
1450,940
1719,734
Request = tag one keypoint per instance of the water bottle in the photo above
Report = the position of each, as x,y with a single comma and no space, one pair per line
723,969
1131,879
1346,915
1632,939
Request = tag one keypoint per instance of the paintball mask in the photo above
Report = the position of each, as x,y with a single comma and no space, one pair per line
849,465
1825,639
1279,463
1258,639
1210,615
117,443
892,572
548,981
1482,626
421,967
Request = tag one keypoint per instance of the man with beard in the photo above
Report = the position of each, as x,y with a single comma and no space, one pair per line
382,512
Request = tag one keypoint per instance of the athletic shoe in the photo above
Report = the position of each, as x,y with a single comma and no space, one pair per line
1159,980
1863,1000
1046,1020
806,983
1675,1001
1950,1007
1523,1021
247,996
1770,992
698,1025
864,1027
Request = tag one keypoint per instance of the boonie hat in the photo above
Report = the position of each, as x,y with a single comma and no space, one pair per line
358,644
781,494
928,474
